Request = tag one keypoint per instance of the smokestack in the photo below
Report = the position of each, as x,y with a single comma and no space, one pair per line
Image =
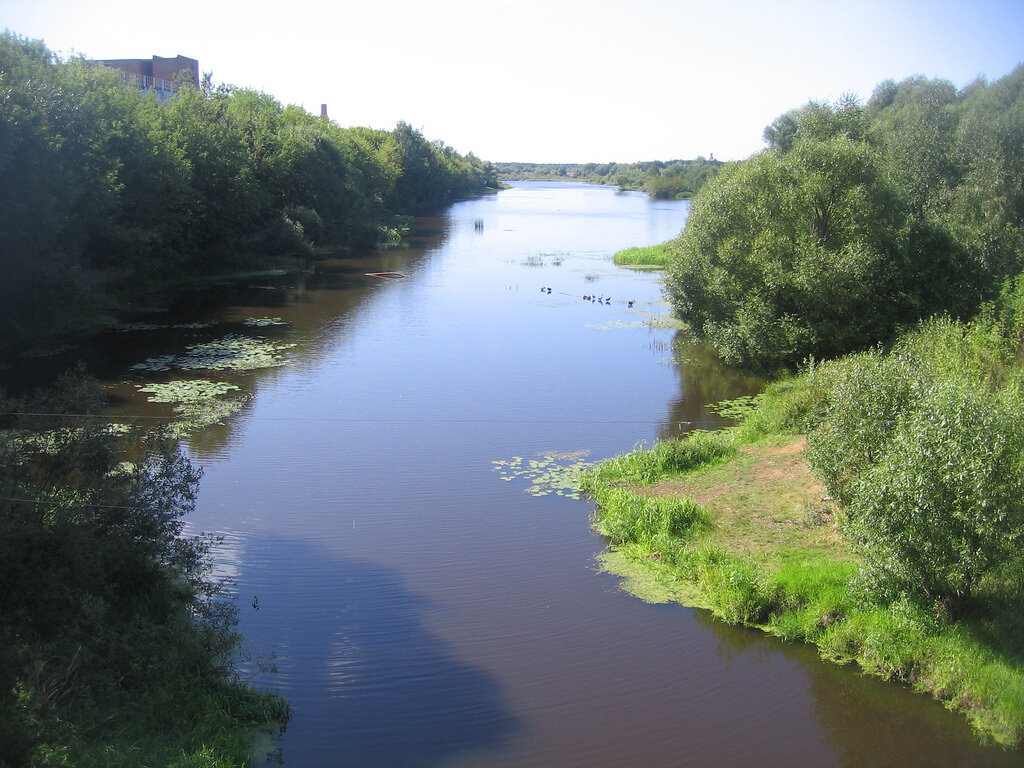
323,110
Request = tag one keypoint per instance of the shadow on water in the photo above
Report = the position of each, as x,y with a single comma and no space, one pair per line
369,684
870,723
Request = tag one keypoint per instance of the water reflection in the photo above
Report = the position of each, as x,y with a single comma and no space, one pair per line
868,722
703,379
388,692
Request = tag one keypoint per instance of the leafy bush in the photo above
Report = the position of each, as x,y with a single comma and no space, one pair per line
866,395
944,506
101,185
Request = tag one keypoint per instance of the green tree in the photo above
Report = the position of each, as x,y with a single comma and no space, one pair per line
794,253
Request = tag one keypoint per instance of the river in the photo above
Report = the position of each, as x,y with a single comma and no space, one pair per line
421,606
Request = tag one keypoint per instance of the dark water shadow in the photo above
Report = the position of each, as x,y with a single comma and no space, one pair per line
369,684
869,722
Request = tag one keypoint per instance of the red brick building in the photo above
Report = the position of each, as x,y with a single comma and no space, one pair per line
158,73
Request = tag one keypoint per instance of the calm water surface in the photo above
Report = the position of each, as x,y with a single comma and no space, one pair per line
421,610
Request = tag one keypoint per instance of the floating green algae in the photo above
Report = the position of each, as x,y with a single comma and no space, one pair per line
552,473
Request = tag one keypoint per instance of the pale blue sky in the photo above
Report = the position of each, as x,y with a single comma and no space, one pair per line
551,80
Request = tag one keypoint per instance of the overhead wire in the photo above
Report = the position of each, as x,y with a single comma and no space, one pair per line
355,420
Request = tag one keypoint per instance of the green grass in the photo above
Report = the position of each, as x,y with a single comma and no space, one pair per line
668,457
655,256
742,531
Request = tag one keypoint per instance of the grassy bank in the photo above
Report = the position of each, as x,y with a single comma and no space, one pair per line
737,523
651,257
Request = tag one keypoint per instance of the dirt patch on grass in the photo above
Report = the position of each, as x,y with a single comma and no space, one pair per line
765,501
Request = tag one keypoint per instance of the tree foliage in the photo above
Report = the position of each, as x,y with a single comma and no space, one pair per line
672,179
856,221
99,185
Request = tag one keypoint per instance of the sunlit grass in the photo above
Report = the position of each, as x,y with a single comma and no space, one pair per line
655,256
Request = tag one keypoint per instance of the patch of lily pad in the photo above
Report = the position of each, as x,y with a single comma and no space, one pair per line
551,473
199,402
186,390
206,413
232,352
738,408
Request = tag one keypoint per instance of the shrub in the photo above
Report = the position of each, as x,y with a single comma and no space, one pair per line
944,507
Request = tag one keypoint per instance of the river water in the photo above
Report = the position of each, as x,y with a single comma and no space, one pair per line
421,606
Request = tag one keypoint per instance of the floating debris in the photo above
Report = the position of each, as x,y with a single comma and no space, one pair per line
388,275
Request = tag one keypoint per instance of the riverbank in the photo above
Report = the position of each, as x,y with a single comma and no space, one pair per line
739,525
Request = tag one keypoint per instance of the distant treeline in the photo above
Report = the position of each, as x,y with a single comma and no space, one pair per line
674,179
100,186
858,220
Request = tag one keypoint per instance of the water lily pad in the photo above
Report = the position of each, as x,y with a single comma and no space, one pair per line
186,390
232,352
738,408
554,472
205,413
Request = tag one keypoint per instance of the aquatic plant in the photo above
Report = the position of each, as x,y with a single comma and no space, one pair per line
186,390
232,352
556,472
199,402
206,413
738,408
653,256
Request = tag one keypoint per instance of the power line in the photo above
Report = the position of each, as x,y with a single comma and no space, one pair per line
361,420
71,503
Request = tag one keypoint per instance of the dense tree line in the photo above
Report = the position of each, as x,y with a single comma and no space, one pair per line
673,179
99,185
856,221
